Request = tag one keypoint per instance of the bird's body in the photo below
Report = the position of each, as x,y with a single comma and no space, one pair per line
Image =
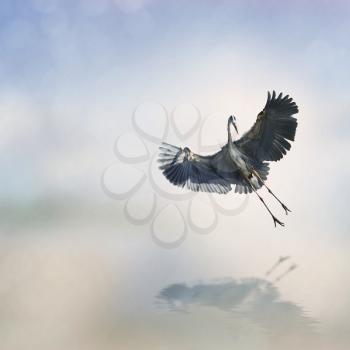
242,163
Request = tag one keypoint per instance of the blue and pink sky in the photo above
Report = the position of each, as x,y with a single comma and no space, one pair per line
71,74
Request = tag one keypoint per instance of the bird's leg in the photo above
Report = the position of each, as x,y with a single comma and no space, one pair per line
275,220
283,205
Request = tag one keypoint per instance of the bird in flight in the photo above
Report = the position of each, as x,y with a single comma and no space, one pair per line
242,162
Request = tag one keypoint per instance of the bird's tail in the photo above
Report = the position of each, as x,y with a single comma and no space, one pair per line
263,170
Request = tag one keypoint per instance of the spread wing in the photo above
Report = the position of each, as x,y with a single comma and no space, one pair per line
268,139
184,168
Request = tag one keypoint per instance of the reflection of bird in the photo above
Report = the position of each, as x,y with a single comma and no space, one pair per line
280,260
284,274
242,162
253,301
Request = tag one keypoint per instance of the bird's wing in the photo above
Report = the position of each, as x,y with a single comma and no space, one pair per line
274,126
184,168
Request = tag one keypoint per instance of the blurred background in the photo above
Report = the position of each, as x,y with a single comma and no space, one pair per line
74,272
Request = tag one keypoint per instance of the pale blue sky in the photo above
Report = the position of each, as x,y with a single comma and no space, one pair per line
75,70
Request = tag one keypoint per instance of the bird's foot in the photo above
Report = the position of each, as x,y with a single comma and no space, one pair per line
275,220
286,209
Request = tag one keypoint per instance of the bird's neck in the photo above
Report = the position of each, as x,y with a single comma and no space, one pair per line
229,133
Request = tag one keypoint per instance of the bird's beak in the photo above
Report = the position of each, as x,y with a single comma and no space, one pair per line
234,124
232,121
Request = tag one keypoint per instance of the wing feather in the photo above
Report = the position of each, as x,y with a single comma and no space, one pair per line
184,168
268,139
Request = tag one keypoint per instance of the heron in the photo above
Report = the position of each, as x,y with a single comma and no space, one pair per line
244,161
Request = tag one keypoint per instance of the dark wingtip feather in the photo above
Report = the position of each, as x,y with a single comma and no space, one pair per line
280,126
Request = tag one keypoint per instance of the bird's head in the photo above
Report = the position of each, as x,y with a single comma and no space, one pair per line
232,120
